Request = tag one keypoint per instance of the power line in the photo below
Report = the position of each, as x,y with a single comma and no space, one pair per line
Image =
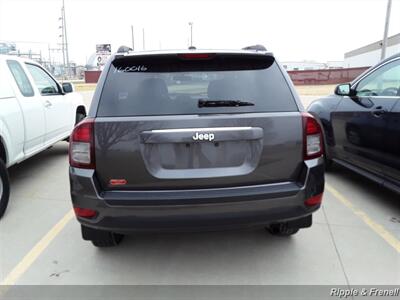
24,42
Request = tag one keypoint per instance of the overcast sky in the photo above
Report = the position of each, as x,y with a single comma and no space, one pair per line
294,30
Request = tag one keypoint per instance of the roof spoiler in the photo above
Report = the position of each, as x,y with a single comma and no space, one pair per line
124,49
255,48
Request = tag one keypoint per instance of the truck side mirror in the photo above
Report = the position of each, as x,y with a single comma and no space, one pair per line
68,87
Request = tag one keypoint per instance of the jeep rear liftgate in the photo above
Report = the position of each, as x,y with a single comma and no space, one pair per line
187,122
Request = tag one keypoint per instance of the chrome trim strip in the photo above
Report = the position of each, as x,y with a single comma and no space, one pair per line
202,129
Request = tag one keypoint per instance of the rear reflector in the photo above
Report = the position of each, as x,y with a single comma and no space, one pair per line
81,145
314,200
118,182
85,212
313,139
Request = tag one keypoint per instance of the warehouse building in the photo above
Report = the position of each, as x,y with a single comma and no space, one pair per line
370,55
311,65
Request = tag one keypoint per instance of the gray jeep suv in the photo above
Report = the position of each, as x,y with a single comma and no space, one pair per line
194,140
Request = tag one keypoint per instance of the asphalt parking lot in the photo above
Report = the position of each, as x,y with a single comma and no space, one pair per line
355,240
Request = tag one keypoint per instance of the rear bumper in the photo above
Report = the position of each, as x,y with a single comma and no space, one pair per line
127,211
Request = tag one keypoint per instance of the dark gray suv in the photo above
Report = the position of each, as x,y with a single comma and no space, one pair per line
194,140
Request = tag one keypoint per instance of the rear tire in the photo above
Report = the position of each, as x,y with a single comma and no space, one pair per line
281,229
4,188
101,238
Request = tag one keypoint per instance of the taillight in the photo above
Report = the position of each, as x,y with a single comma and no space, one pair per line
81,145
313,139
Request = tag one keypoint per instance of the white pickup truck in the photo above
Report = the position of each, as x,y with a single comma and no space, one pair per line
35,112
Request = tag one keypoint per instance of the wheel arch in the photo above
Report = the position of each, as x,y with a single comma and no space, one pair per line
322,109
3,150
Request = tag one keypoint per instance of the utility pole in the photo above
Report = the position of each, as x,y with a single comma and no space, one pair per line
191,33
133,39
62,40
66,42
48,45
144,47
385,34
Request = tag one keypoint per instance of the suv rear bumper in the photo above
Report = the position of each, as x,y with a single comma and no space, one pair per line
201,209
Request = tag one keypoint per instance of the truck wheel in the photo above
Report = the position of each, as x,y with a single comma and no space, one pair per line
101,238
281,229
4,188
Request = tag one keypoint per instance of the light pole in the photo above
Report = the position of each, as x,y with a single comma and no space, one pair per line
133,39
385,34
144,45
191,33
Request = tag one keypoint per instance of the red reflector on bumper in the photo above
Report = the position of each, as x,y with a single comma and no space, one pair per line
85,212
117,182
314,200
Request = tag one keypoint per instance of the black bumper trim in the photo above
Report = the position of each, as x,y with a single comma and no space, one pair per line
200,196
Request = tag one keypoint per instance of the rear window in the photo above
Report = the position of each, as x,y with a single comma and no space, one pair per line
172,85
21,79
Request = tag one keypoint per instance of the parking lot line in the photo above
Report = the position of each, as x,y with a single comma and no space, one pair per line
376,227
45,241
35,252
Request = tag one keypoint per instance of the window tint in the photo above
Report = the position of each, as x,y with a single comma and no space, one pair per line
132,89
21,79
45,84
385,81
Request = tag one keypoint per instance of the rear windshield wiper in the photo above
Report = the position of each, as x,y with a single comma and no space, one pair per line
219,103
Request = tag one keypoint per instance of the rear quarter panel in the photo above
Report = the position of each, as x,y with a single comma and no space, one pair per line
322,109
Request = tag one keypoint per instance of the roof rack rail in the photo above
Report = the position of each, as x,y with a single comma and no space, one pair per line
255,47
124,49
